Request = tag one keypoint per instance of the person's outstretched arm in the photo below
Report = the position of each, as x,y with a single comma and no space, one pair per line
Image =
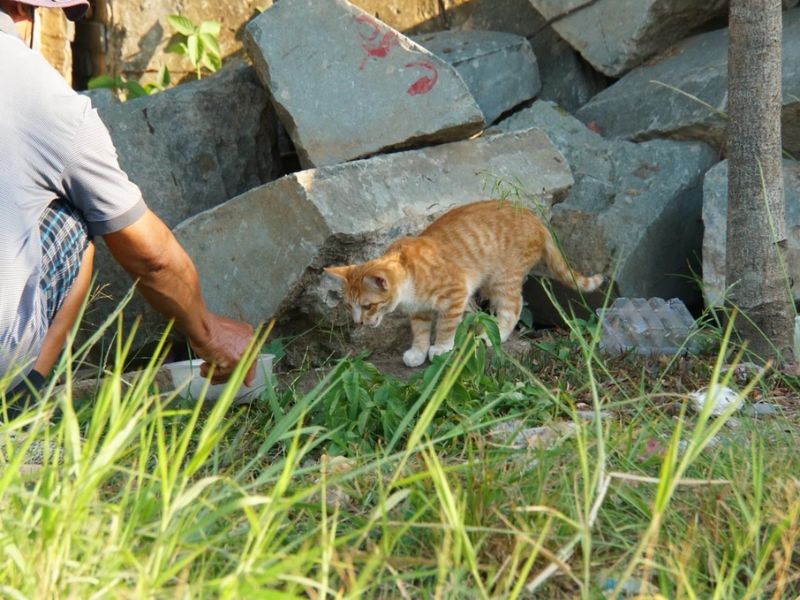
168,280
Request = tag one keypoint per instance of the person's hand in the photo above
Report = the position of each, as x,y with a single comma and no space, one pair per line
227,342
168,279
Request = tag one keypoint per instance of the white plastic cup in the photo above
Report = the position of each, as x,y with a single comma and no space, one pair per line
186,378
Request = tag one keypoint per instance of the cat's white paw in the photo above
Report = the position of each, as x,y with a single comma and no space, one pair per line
413,357
438,349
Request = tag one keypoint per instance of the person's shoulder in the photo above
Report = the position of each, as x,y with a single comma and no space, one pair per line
37,87
28,68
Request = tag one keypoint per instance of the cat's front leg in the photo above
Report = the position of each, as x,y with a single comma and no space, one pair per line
446,327
421,325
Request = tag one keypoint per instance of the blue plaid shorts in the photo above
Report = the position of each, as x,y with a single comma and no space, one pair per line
64,236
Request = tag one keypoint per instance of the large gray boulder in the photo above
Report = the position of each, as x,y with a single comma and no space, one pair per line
189,148
634,212
511,16
499,68
567,79
683,93
617,35
261,255
715,211
196,145
347,86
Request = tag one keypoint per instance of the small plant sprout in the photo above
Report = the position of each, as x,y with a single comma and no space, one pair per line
129,88
198,43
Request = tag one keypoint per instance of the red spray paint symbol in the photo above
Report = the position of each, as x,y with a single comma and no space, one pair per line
378,43
375,45
425,84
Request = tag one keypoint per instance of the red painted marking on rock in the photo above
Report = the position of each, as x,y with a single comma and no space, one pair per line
594,126
372,24
375,46
425,84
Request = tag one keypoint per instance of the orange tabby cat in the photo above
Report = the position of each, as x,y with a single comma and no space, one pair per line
485,247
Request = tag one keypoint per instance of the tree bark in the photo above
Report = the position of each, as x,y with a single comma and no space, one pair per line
756,225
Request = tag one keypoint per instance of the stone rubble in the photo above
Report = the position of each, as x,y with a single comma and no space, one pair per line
567,79
261,254
629,202
499,68
683,92
348,86
617,35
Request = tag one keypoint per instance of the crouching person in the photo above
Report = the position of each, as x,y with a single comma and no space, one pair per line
60,186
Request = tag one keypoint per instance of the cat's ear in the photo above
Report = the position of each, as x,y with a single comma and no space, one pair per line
338,272
379,282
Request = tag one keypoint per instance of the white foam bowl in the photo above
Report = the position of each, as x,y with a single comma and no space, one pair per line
186,378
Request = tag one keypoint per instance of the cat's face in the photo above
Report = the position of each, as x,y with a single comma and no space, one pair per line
370,291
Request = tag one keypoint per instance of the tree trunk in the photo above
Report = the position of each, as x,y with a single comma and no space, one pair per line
756,226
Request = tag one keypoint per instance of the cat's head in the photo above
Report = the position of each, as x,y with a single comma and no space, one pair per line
371,289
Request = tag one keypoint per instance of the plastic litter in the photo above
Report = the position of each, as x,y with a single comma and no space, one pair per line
648,327
721,396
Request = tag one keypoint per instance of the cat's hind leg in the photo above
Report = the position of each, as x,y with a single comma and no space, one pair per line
421,325
505,295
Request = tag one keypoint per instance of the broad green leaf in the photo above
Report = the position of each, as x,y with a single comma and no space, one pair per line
211,44
364,399
352,385
212,27
397,408
352,389
178,48
181,24
363,418
382,394
460,396
212,63
388,424
491,329
194,49
164,77
135,90
102,81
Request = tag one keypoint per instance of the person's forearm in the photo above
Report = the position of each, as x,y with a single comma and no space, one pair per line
166,276
174,291
168,279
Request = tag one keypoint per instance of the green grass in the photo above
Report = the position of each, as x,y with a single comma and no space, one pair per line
301,495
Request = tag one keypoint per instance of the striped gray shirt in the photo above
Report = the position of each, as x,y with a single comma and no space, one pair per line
52,145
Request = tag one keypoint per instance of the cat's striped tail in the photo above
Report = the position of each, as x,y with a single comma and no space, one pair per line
561,271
